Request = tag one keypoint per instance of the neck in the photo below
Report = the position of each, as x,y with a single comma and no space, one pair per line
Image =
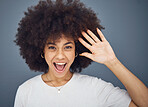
52,77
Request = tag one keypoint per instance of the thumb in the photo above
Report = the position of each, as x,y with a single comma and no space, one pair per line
86,54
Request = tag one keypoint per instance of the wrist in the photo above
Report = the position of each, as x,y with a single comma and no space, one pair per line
112,62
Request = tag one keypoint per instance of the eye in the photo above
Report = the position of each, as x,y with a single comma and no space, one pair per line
68,47
51,47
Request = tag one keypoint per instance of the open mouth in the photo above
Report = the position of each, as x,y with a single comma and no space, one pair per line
60,67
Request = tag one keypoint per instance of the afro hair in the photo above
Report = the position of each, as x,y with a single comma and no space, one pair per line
49,20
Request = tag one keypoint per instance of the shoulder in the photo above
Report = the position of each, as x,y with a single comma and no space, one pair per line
84,77
105,92
93,81
30,82
87,77
25,88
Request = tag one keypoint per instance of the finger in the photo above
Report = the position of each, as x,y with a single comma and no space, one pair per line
90,40
101,35
85,43
93,36
86,54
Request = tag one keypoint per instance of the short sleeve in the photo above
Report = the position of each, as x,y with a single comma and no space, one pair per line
111,96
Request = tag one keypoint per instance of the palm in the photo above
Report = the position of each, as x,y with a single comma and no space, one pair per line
102,52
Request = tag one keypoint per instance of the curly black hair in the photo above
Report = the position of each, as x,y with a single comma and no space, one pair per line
51,19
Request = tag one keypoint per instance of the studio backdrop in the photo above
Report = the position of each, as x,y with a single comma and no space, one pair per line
126,28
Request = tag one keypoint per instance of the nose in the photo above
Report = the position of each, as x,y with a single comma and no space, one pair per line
60,54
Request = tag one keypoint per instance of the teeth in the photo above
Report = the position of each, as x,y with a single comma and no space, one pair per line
60,63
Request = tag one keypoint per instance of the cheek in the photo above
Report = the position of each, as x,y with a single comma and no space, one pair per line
48,58
71,56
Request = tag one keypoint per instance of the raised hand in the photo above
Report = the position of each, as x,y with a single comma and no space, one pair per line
101,51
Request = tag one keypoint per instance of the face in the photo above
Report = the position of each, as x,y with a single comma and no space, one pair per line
59,56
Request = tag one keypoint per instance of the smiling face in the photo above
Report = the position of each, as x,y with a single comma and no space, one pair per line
59,56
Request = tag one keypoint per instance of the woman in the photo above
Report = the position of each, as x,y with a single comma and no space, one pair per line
60,38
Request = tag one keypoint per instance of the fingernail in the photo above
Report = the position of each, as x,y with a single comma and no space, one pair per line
80,54
82,32
88,30
98,29
79,38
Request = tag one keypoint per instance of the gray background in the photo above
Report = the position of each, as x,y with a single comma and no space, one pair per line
126,23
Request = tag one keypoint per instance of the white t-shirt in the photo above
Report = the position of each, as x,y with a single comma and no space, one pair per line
79,91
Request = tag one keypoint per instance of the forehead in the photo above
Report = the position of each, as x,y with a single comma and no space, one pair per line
62,39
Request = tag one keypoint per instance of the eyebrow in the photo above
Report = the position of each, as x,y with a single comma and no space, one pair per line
50,43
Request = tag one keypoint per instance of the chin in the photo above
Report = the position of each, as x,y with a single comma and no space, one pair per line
61,74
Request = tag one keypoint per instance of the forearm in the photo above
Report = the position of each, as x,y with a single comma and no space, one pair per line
136,89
